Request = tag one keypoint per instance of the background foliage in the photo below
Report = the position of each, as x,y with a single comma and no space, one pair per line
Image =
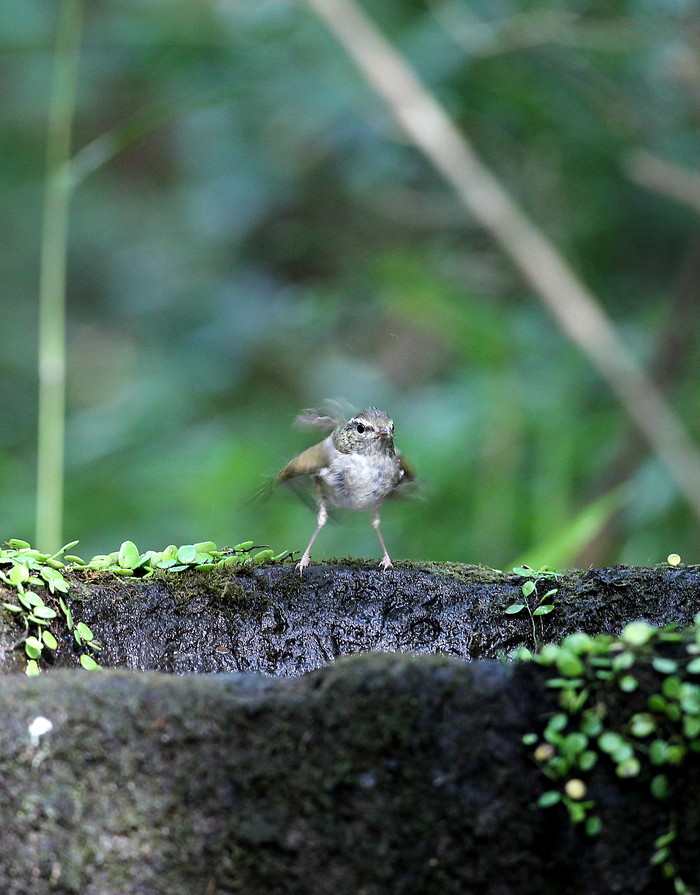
250,235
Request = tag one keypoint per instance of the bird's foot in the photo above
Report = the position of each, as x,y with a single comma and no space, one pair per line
386,562
302,564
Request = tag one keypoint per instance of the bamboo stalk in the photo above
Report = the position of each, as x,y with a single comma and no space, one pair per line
52,280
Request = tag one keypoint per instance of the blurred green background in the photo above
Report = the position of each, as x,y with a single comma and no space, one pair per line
251,235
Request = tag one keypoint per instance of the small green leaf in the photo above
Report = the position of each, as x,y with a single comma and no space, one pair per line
234,560
564,683
623,661
555,726
528,588
18,574
54,579
656,703
629,767
610,742
262,555
32,668
577,811
66,611
693,667
676,753
593,825
591,724
30,599
33,647
37,621
573,744
663,665
549,798
569,664
88,662
659,856
658,752
571,700
12,608
100,561
642,724
18,544
84,631
671,687
205,547
659,786
637,633
691,727
587,760
628,683
246,545
673,711
530,739
45,612
545,609
514,608
55,564
129,555
524,571
690,699
578,642
548,654
49,640
187,553
665,839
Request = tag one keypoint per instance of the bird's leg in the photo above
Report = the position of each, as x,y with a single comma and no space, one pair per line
386,562
320,522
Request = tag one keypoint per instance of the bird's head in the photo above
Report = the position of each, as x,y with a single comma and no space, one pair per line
370,431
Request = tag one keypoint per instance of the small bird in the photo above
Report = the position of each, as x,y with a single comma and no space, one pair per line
355,468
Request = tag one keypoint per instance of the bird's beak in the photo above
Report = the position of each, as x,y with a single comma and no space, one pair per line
382,432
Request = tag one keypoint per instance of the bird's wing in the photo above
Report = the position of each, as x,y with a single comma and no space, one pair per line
309,462
409,473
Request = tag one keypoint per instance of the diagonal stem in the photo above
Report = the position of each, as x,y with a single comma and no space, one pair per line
575,308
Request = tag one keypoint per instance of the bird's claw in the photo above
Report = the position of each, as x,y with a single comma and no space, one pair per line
386,562
301,565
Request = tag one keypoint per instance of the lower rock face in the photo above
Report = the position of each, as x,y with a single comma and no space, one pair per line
378,774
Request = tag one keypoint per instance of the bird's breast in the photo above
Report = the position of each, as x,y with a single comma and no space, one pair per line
359,482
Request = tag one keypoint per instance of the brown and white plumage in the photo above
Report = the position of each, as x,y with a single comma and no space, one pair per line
356,467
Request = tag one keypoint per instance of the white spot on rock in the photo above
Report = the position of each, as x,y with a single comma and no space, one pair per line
38,727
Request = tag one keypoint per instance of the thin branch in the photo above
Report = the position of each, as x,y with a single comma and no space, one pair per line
664,177
575,308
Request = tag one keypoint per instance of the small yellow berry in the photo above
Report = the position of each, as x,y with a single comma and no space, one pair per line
575,789
544,752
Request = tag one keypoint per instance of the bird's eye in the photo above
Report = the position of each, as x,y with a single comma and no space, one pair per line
360,428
